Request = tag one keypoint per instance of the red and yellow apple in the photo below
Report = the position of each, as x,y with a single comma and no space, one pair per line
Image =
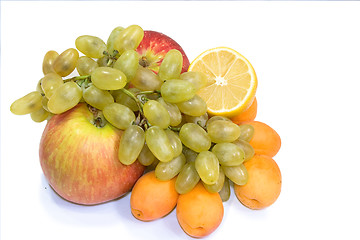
80,159
154,47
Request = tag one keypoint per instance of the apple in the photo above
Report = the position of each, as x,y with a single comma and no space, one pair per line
153,48
79,158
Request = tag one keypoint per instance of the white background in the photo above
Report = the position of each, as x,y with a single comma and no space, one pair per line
307,59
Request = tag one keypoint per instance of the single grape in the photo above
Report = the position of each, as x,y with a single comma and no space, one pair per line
128,63
237,174
159,143
126,100
38,86
246,147
103,61
225,190
112,37
173,110
128,39
91,46
207,166
50,82
200,120
44,103
64,98
146,80
214,118
107,78
167,170
131,144
246,132
86,65
174,141
187,178
119,115
171,66
218,185
223,131
229,154
156,114
97,98
195,106
198,79
189,154
29,103
146,157
65,63
194,137
49,58
175,91
39,115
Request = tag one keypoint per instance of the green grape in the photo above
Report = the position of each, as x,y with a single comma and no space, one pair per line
207,166
237,174
229,154
39,115
128,63
119,115
44,103
246,132
214,118
38,86
29,103
246,147
50,82
65,63
167,170
91,46
49,58
225,190
86,65
200,120
175,91
189,154
146,80
198,79
131,144
64,98
195,106
97,98
126,100
171,66
146,157
107,78
103,61
174,141
195,137
128,39
159,144
156,114
173,110
223,131
113,35
187,178
218,185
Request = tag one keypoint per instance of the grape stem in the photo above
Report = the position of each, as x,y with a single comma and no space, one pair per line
138,102
78,78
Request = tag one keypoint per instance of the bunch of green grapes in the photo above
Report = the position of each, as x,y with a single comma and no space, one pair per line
165,122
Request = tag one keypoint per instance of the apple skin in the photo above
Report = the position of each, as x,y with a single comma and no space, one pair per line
80,160
153,48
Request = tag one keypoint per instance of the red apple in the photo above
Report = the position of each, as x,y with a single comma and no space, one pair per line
154,47
80,160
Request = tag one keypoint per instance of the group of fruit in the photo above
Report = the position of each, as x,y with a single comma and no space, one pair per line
137,106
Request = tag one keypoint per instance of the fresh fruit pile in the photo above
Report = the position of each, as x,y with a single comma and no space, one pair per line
139,116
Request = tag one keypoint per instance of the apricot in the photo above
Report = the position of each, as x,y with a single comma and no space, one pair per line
151,198
199,212
264,183
247,115
266,141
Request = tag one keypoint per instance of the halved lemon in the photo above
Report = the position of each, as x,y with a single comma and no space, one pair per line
232,81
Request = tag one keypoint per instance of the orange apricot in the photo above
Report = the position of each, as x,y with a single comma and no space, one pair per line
247,115
266,141
264,183
199,212
151,198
